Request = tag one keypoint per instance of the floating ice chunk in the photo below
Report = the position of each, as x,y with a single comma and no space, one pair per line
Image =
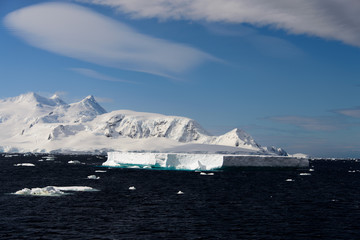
49,158
93,177
40,160
101,171
77,189
49,191
180,192
206,174
290,180
134,167
211,174
305,174
74,162
24,165
202,173
53,191
132,188
311,170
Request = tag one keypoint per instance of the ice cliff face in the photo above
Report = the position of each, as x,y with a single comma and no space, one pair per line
34,123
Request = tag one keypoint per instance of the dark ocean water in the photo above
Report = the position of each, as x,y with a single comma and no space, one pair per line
231,204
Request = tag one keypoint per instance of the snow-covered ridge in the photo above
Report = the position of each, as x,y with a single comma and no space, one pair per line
33,123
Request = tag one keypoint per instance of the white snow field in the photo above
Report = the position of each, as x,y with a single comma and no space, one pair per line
32,123
183,161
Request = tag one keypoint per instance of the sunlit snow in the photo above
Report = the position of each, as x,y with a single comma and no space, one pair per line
32,123
53,191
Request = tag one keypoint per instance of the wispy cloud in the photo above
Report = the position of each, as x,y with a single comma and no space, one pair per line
330,19
74,31
94,74
312,123
350,112
267,45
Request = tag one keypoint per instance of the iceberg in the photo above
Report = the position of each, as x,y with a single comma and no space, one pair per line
189,161
53,191
24,165
46,191
74,162
93,177
77,189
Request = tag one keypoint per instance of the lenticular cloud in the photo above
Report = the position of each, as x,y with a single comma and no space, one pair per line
330,19
80,33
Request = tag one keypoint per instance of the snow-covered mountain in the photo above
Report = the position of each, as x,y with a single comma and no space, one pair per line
32,123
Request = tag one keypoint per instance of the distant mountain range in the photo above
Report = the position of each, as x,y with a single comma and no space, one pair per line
33,123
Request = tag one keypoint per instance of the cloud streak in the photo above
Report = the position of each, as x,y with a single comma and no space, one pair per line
312,123
329,19
350,112
94,74
77,32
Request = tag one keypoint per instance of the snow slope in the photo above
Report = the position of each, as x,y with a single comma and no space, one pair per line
32,123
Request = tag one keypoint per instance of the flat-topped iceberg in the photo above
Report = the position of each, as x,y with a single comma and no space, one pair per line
188,161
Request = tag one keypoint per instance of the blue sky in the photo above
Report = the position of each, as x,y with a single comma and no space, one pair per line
287,72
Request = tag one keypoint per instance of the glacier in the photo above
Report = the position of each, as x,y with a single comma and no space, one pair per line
33,123
206,162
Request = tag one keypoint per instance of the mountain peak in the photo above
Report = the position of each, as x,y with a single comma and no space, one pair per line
89,98
90,102
34,98
56,98
237,137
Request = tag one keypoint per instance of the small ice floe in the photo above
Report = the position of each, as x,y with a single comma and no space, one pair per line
290,180
208,174
24,165
77,189
49,158
92,177
351,171
101,171
311,170
53,191
40,160
180,193
74,162
305,174
49,191
132,188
